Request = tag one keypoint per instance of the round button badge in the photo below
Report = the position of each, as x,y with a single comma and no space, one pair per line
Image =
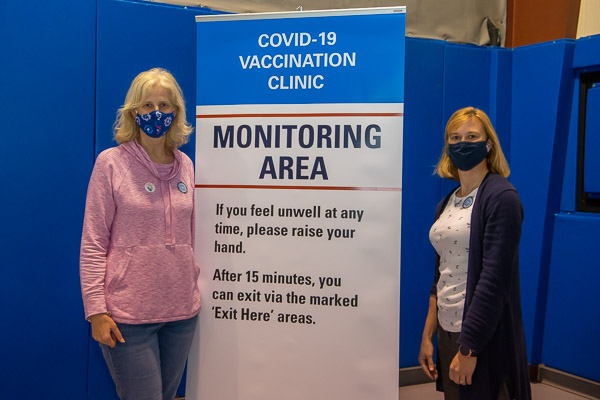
149,186
182,187
468,202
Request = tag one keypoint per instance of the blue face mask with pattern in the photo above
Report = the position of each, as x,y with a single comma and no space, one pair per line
155,123
466,155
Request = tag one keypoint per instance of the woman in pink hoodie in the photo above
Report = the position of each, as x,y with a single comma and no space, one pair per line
139,278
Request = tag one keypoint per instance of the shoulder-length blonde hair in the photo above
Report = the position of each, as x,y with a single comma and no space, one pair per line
495,160
125,129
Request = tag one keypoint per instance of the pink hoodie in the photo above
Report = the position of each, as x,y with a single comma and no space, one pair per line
136,258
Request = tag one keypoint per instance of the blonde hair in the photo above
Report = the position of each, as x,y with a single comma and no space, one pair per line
495,160
125,128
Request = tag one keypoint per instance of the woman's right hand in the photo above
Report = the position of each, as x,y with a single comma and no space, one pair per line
426,351
105,331
426,359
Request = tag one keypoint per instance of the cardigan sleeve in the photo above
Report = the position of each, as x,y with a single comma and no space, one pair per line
99,213
436,277
503,216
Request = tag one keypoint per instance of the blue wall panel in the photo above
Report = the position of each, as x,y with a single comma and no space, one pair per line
591,167
542,90
48,133
129,43
61,96
466,83
586,54
440,78
423,142
466,78
501,95
569,187
573,276
572,319
586,58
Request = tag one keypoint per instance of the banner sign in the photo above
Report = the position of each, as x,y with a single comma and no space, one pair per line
298,197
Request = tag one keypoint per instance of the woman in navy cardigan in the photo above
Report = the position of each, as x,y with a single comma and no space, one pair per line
475,304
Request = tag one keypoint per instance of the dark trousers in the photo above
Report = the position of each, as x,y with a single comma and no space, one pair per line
447,349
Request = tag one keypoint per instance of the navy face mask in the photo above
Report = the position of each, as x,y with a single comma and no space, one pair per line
466,155
155,124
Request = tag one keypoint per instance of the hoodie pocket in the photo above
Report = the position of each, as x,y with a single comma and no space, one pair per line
155,282
117,263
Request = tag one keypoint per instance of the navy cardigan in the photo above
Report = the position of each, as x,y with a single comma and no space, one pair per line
492,324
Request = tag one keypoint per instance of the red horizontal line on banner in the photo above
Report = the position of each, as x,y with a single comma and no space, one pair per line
302,115
374,189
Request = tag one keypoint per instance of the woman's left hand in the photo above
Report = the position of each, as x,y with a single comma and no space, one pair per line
462,368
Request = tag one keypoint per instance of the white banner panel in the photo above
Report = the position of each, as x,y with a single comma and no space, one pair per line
298,198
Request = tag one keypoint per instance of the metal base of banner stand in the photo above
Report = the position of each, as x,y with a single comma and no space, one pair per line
568,382
412,376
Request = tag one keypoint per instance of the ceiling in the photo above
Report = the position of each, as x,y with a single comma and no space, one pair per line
481,22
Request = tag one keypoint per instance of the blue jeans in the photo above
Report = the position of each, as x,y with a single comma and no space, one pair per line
150,364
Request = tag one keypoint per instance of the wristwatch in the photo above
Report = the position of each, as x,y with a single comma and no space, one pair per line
466,352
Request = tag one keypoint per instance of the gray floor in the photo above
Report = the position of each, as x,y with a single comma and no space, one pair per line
541,391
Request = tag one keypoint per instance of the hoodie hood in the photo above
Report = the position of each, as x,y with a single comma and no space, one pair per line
137,151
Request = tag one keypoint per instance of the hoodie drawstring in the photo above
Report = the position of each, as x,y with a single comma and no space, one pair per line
137,150
169,231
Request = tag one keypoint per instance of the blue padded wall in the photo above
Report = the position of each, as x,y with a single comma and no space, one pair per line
479,77
569,186
530,108
572,315
466,78
126,47
591,167
542,83
501,96
466,83
586,58
49,95
440,78
573,276
423,141
65,96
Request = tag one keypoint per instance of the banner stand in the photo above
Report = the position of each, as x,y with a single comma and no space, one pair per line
298,198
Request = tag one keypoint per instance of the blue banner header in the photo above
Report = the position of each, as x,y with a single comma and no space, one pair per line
302,60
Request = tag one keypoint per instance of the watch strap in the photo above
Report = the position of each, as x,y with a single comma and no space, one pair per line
465,351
